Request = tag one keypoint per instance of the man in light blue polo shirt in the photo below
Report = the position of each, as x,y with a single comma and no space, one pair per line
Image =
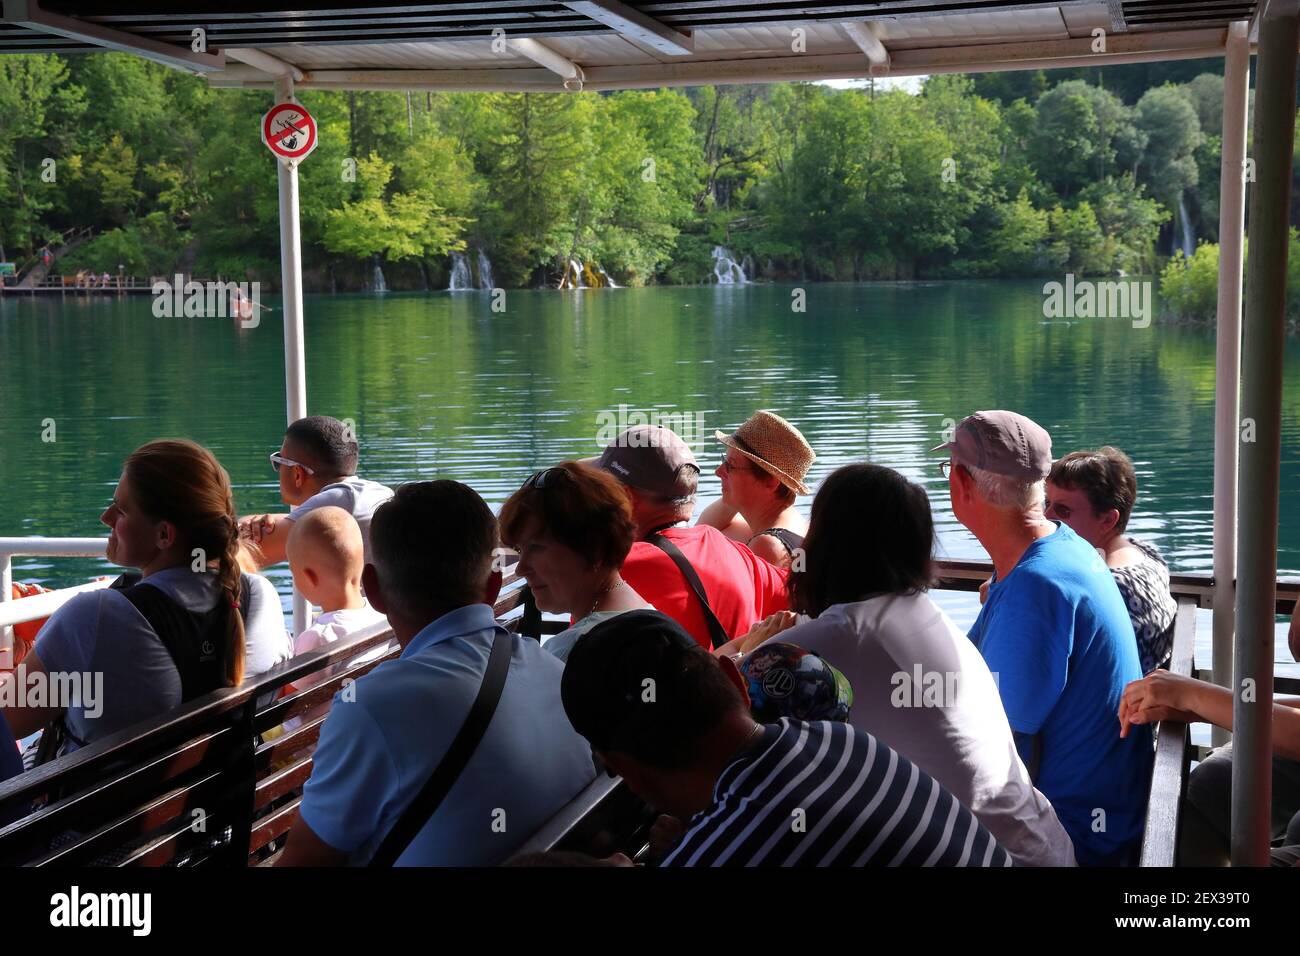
432,575
1057,635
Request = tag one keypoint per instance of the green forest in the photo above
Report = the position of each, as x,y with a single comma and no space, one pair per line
135,165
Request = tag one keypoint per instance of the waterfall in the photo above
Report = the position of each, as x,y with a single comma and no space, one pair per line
460,277
725,268
579,275
484,271
1185,223
576,266
747,265
378,282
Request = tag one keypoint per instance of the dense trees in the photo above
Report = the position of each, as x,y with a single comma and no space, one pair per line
1008,174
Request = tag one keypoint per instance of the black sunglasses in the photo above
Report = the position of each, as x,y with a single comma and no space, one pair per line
539,480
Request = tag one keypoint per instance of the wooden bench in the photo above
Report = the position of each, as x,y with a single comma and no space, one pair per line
1169,772
217,782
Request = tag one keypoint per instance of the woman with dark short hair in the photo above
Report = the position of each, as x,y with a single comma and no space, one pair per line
1094,492
919,684
572,526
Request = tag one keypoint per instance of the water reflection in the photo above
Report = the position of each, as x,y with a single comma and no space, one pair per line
439,385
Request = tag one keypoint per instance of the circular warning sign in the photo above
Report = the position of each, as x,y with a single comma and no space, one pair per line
289,131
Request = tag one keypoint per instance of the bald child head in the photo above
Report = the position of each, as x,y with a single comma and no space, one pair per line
325,553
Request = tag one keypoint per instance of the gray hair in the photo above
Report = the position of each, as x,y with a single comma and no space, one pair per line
1006,491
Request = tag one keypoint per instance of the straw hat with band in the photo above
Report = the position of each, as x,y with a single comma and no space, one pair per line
776,446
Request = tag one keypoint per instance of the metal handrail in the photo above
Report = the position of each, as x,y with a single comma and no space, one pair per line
45,604
955,575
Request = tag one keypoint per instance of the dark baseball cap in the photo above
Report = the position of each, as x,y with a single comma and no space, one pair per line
651,458
605,681
1001,442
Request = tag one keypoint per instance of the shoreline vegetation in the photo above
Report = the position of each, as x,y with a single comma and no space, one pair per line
1096,173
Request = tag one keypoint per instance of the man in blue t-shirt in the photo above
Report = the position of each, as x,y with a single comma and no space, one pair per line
1056,634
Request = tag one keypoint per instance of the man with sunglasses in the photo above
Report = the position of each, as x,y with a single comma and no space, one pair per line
317,464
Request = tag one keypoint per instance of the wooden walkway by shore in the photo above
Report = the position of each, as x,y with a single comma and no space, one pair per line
56,285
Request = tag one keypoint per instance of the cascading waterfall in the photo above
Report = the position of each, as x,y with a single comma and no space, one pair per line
460,277
378,282
1185,224
747,265
590,275
484,271
725,268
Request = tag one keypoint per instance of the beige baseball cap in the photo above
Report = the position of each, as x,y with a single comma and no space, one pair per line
1002,442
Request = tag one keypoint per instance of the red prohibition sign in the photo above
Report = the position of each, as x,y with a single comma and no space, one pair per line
289,131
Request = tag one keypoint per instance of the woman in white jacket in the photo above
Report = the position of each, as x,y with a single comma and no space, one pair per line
919,685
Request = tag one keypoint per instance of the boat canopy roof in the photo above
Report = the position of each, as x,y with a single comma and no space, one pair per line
515,45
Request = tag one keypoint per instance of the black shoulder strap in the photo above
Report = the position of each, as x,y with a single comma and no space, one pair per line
449,769
789,540
716,632
194,641
530,624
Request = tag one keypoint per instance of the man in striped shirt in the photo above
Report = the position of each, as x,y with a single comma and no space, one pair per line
674,722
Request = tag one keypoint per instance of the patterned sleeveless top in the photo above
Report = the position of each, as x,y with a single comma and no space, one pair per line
1145,587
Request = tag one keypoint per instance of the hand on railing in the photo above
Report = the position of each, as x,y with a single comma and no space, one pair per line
1161,695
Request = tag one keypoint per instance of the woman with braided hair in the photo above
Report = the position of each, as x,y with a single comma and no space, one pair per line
186,622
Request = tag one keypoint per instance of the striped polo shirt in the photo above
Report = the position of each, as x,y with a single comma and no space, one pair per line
826,794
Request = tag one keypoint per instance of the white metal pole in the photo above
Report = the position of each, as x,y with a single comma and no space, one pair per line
295,368
1263,340
1227,362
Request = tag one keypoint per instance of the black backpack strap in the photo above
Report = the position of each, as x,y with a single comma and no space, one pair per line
194,641
530,624
789,540
716,632
453,763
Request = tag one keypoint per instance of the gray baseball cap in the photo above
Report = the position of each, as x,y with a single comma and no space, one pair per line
651,458
1004,443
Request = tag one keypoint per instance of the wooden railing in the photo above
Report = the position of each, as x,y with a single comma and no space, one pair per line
219,781
1169,772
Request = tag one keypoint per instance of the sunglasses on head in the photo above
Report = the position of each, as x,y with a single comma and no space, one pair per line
540,479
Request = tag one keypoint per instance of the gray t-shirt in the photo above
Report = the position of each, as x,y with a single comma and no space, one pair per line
561,644
357,496
132,677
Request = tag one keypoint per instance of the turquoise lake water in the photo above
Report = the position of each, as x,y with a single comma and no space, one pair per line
439,385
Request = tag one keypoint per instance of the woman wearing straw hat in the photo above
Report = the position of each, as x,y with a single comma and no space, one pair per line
761,473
